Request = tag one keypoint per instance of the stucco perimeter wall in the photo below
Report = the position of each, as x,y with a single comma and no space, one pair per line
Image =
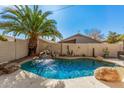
11,50
21,48
87,49
14,50
80,49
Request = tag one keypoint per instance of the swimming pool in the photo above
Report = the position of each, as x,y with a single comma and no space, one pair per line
64,68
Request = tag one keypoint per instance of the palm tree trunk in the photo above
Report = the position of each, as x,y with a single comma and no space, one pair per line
32,46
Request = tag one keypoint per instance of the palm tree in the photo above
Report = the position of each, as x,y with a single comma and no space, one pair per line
31,22
113,37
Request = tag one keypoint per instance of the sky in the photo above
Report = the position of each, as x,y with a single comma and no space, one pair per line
77,18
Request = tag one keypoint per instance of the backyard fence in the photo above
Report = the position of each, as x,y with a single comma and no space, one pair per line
91,49
11,50
81,49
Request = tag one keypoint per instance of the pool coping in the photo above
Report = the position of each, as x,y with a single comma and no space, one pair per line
110,60
104,59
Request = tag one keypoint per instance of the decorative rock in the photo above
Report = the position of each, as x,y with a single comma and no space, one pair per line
41,53
99,58
107,74
36,57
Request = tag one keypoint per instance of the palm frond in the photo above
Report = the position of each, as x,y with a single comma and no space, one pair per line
31,22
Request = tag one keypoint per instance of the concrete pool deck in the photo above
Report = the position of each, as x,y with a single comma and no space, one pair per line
24,79
115,60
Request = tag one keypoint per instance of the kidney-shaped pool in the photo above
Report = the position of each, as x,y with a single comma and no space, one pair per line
64,68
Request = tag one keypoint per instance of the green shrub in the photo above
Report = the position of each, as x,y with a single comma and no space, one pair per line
2,38
106,53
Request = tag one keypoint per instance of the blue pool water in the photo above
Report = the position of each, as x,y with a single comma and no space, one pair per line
64,68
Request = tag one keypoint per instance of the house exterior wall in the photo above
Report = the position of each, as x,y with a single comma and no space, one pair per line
70,41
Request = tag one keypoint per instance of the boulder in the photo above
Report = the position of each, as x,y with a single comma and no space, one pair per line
107,74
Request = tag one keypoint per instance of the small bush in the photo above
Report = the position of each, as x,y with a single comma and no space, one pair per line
106,52
2,38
